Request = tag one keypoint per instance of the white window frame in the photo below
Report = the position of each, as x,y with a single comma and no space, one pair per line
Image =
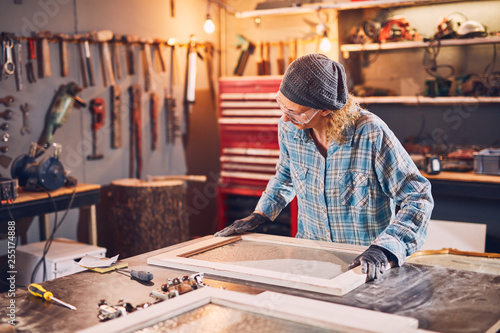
317,314
339,285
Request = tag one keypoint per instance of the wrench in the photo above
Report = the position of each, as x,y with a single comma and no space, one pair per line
9,66
25,109
7,114
7,100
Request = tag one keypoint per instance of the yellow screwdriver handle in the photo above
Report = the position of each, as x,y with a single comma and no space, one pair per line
38,291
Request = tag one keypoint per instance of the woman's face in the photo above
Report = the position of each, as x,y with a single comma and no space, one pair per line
296,108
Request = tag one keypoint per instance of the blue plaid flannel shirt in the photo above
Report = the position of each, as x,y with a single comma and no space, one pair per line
350,196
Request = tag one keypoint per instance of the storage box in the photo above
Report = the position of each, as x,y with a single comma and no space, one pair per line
487,161
59,261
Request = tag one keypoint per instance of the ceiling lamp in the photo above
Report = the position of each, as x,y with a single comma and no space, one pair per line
209,25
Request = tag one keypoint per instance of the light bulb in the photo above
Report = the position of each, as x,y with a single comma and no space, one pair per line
209,25
325,45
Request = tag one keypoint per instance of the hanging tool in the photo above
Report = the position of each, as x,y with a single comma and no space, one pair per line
103,37
154,109
246,49
30,65
138,275
158,49
98,111
117,64
189,89
25,109
7,100
8,61
7,114
83,62
147,64
38,291
292,55
265,58
281,61
63,52
59,111
18,63
43,51
209,61
135,132
258,54
172,8
88,62
4,126
172,125
129,46
116,116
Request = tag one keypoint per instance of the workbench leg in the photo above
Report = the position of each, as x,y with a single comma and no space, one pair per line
93,226
44,225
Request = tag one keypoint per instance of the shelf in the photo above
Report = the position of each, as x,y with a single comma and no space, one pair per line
413,100
312,8
346,48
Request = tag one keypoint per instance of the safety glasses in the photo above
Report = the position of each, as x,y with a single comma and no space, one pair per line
297,117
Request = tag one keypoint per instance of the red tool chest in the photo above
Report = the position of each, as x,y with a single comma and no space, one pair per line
248,125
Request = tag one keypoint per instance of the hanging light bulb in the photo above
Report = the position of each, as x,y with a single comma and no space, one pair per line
209,25
325,45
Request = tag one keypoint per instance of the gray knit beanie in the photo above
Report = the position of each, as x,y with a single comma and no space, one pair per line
315,81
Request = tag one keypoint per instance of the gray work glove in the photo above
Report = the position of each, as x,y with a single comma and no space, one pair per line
240,226
373,262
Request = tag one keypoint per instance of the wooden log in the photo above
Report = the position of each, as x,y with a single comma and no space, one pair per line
147,215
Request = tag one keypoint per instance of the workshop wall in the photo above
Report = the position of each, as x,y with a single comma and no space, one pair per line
145,19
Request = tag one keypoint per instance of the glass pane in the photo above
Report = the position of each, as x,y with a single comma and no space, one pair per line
213,318
325,264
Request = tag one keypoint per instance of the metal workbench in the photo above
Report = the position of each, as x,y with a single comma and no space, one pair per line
442,299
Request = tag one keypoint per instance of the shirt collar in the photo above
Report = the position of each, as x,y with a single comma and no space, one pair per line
305,135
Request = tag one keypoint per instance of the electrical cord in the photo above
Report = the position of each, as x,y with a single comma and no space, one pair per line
48,242
430,60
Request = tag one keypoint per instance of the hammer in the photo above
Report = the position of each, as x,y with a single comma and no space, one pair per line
44,69
129,40
103,37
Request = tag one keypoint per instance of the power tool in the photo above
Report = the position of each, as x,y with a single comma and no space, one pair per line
59,111
46,174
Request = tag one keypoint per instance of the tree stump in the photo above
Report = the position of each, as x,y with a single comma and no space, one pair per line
147,215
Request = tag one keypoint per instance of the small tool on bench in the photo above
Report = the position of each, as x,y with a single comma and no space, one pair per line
120,268
138,275
38,291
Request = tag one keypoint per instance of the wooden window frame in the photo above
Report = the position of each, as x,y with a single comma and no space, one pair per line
339,285
317,314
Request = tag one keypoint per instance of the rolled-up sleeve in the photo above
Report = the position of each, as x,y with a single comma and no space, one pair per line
279,191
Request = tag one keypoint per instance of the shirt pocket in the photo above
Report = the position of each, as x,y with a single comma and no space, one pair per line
354,190
299,176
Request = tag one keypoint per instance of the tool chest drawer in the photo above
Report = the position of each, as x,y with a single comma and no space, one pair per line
248,125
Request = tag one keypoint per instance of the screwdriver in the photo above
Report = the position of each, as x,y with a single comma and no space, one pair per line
38,291
139,275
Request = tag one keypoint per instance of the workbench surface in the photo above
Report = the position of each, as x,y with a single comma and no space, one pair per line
442,299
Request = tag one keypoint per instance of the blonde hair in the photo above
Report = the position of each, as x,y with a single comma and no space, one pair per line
339,120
